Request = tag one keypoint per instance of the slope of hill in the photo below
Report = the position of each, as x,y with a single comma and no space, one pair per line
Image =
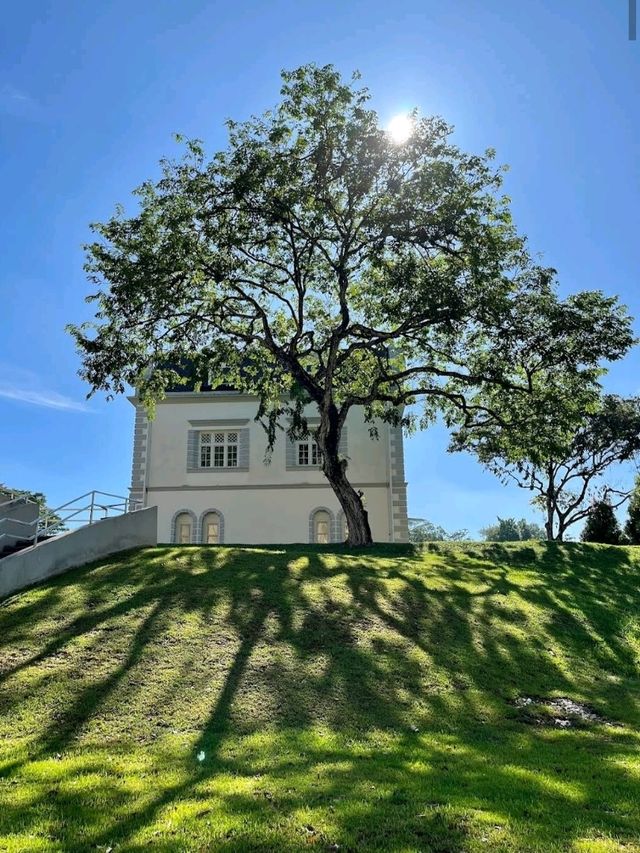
470,698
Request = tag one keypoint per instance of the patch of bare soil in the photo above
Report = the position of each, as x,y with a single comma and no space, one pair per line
560,711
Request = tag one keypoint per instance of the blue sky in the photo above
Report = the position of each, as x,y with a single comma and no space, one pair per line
90,95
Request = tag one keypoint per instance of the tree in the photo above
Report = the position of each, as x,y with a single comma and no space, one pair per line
632,526
49,522
421,530
561,455
530,530
510,530
602,524
317,263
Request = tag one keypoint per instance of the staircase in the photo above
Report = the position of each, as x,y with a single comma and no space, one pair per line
23,524
18,523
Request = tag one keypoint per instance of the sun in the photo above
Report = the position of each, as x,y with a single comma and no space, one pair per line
400,128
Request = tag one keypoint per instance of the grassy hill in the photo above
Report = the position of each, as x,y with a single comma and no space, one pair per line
180,699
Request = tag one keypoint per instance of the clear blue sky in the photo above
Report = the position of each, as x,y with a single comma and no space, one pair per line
91,93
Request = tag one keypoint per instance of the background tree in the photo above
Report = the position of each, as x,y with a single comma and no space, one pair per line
422,530
511,530
562,453
52,520
632,526
315,262
601,524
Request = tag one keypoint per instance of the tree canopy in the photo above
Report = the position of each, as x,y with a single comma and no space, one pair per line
563,457
632,524
512,530
423,530
601,524
316,262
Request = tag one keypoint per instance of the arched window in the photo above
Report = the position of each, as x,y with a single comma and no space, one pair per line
183,528
321,526
211,529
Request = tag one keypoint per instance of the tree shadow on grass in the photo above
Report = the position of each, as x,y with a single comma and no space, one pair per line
409,666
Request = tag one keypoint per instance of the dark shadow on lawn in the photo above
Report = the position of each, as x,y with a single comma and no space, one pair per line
359,648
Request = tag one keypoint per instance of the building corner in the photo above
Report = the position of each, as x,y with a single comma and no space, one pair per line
399,515
137,489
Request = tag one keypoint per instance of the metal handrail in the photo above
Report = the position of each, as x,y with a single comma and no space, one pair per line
16,497
24,524
123,506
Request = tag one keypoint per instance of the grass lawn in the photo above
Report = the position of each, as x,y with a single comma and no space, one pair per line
297,698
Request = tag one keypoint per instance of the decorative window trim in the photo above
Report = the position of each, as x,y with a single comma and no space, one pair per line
194,456
203,515
194,526
292,462
220,422
312,524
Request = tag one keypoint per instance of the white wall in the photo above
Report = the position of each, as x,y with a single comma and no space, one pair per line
265,516
267,503
368,458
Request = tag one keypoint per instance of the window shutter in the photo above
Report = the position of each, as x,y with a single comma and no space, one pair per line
291,453
342,446
192,449
243,449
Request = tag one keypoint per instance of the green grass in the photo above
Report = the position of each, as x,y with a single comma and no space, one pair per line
342,702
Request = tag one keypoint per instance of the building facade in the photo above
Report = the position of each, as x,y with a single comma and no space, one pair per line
201,461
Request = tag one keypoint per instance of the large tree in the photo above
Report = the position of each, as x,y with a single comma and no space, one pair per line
317,262
562,454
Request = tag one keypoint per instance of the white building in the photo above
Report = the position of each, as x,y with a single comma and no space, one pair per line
201,462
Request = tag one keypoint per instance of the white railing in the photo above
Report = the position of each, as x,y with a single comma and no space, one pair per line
85,509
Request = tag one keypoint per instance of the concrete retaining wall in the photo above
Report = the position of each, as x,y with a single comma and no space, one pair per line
133,530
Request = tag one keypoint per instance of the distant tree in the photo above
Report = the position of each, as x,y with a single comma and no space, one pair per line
510,530
560,453
632,526
317,261
601,524
530,530
421,530
48,519
506,530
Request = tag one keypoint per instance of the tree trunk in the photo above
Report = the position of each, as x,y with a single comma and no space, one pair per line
548,525
550,505
334,469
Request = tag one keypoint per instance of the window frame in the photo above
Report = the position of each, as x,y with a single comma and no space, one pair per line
310,447
322,517
224,445
208,524
183,521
